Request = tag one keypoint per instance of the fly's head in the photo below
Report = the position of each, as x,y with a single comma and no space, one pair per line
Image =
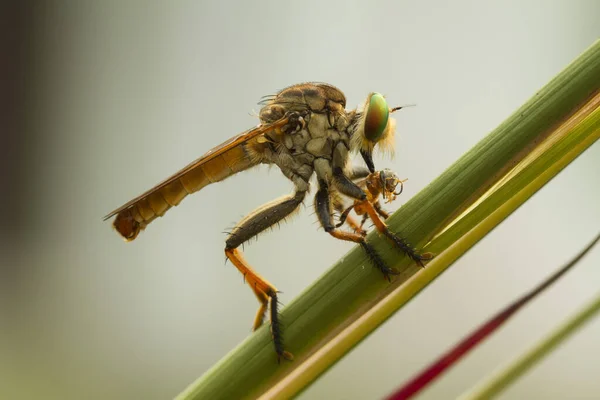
389,182
374,127
384,183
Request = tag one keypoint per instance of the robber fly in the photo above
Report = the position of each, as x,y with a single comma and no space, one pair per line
304,130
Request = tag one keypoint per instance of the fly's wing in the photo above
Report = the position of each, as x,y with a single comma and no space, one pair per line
217,164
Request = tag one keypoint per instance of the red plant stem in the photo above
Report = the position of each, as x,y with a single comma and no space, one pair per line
421,380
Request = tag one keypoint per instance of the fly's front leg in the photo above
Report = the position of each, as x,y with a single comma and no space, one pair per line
364,219
397,240
350,189
384,214
368,157
345,217
323,208
358,172
261,219
402,244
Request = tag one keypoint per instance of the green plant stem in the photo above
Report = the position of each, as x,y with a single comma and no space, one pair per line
514,193
348,290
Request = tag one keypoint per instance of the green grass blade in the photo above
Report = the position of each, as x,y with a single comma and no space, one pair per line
514,193
352,292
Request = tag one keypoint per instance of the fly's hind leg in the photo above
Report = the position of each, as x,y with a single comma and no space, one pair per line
261,219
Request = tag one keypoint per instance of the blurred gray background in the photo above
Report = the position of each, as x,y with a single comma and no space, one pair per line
108,98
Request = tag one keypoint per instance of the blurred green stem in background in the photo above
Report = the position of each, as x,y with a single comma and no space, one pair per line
447,217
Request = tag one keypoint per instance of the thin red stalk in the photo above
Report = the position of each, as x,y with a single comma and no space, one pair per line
421,380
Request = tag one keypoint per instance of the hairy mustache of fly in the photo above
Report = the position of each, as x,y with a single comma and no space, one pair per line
304,130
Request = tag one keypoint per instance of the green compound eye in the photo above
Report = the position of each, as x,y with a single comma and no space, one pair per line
376,118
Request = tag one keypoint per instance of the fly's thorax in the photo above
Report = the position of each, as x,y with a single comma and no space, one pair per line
314,97
320,147
299,153
296,142
316,140
318,125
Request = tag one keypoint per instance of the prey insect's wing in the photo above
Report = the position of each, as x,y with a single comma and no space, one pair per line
217,164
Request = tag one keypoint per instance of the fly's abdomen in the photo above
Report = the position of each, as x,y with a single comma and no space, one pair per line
136,215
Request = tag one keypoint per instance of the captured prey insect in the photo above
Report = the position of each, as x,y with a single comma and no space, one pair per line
304,130
379,183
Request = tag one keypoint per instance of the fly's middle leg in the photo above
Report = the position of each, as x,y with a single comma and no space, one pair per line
259,220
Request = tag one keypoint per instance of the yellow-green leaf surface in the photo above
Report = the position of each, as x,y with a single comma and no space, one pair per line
448,217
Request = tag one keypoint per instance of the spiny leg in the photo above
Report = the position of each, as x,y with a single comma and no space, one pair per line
323,209
397,240
259,220
349,188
